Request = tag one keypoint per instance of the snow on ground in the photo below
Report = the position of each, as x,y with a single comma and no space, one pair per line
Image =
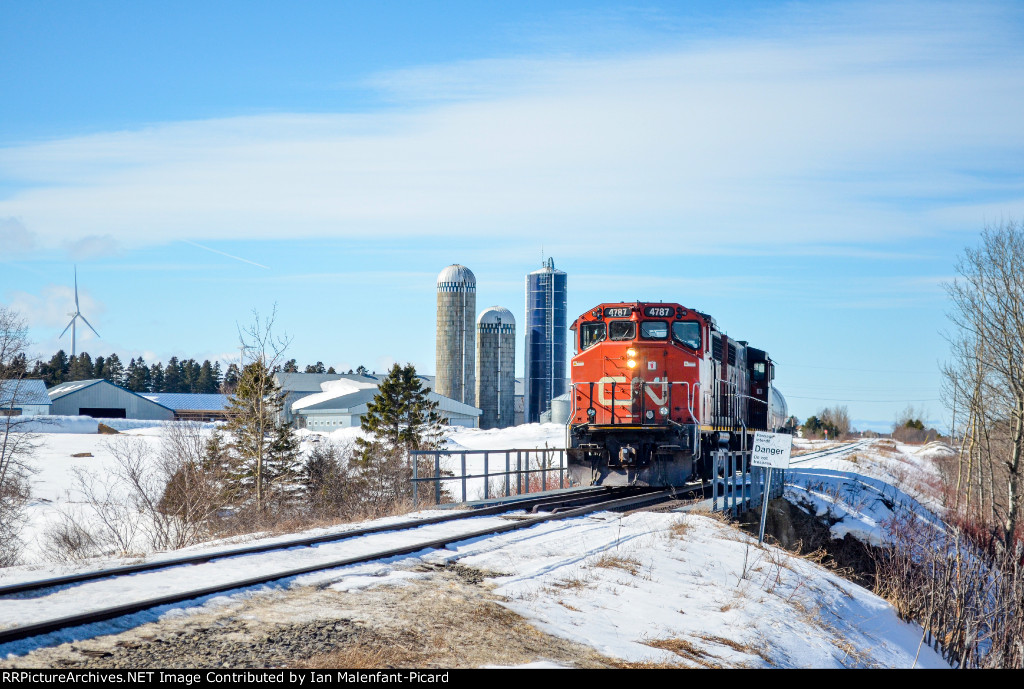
860,491
645,587
53,485
533,436
657,588
690,589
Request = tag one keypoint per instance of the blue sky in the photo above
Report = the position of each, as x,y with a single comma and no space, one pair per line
805,172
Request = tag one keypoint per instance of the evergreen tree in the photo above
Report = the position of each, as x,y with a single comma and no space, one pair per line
113,370
361,370
80,367
217,376
97,367
137,378
401,416
291,366
204,381
156,377
231,378
190,375
16,368
57,369
284,463
264,450
172,376
331,370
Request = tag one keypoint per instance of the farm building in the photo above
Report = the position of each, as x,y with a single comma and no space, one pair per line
189,406
25,397
102,399
341,404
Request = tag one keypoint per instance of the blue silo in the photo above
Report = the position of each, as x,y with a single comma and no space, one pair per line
546,339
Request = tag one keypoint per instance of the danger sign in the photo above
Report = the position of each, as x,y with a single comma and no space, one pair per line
771,450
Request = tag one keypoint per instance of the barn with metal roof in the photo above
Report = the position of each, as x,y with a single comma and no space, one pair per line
102,399
189,406
24,397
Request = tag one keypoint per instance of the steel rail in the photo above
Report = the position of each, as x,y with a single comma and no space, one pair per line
818,454
39,628
513,504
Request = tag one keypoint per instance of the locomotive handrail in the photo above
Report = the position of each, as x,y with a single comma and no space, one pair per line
690,395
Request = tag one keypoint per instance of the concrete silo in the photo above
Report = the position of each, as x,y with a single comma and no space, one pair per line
546,338
455,356
495,367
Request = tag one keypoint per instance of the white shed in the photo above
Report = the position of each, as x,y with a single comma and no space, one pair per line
341,404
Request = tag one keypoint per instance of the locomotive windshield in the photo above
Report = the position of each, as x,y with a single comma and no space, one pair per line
654,330
591,334
687,333
621,330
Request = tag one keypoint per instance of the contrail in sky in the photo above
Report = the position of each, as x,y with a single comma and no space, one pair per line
237,258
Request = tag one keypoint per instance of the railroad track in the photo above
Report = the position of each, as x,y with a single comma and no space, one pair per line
107,583
838,450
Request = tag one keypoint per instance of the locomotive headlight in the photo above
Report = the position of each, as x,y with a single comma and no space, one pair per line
664,411
631,352
631,363
591,413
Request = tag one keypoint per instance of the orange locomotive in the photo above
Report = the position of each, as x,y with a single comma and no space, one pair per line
654,387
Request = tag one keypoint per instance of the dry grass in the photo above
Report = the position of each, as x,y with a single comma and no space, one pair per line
360,658
571,583
685,649
720,516
679,529
628,564
444,622
745,649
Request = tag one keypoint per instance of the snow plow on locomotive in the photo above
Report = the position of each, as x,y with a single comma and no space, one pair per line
655,387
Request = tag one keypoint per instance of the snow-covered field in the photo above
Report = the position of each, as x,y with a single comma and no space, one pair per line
644,587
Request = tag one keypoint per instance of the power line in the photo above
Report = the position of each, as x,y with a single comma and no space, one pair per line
861,370
828,399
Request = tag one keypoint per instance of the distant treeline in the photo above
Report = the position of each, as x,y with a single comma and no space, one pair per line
176,375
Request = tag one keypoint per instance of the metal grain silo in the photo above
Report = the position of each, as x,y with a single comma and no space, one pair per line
455,355
546,338
495,367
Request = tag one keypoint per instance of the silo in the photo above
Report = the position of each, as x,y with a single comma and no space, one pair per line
455,355
495,367
546,338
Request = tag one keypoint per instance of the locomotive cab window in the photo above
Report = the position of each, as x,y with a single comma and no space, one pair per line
621,330
654,330
687,333
591,334
758,370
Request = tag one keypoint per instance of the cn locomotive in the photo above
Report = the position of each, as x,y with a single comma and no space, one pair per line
655,387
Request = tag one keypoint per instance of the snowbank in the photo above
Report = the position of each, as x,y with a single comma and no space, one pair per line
57,424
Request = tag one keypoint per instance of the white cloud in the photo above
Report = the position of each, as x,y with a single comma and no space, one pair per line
50,311
816,139
15,238
92,246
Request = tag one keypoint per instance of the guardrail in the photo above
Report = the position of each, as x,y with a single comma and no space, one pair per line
525,471
740,485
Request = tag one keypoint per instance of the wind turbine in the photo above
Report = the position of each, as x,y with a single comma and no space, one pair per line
74,317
